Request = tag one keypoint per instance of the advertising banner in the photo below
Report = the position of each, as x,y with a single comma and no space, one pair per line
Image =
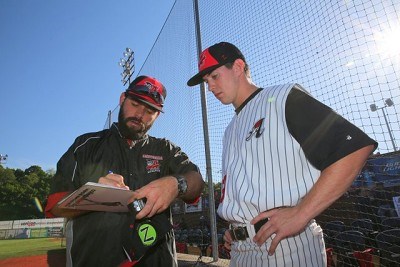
383,169
38,223
4,225
194,207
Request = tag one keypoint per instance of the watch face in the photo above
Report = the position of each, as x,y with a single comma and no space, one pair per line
182,185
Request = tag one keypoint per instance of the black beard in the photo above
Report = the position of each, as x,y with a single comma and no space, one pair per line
130,133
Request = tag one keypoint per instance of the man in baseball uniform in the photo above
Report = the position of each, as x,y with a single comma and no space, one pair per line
286,158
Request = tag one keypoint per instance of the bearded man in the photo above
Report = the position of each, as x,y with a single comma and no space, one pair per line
125,156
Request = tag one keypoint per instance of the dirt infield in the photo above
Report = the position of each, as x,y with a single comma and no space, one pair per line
56,258
40,260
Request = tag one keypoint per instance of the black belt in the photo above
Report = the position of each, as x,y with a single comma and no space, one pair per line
239,233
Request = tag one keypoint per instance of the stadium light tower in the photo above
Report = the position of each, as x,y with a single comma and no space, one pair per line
128,65
388,103
3,158
127,62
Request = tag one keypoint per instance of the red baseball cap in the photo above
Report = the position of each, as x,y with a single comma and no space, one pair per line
147,90
214,57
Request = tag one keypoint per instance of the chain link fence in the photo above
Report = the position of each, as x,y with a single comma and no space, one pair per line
345,53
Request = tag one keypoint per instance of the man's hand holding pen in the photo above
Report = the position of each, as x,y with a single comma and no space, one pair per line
113,180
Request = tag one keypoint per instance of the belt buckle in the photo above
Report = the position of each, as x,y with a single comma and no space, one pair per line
239,233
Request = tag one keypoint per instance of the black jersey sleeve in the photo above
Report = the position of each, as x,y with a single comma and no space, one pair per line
324,135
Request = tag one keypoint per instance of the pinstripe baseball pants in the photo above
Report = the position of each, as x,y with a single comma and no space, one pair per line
304,249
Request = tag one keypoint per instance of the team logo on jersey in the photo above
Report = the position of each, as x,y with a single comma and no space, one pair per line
152,165
257,129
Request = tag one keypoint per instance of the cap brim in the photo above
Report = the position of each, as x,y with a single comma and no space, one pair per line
198,78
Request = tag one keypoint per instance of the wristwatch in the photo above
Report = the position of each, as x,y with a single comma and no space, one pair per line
182,184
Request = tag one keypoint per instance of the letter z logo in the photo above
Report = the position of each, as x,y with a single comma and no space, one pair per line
257,129
147,234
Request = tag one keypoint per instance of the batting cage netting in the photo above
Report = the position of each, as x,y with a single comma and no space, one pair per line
345,53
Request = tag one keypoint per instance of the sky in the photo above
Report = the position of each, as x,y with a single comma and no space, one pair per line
59,72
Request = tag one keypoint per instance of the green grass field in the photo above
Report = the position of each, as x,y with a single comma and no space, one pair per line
13,248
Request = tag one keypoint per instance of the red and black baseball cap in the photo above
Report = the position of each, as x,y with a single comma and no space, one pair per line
214,57
147,90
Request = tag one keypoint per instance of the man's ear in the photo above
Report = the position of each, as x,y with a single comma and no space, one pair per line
239,65
122,98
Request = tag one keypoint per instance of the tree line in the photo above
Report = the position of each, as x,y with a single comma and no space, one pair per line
24,193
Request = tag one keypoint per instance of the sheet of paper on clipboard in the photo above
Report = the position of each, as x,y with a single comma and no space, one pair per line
97,197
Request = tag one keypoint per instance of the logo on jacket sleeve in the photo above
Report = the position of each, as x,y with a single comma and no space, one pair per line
257,129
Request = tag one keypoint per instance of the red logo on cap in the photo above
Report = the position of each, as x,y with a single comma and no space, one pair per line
207,60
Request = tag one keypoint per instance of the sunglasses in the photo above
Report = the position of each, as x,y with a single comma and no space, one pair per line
144,90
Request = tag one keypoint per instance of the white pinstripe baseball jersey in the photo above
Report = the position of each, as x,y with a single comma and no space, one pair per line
264,167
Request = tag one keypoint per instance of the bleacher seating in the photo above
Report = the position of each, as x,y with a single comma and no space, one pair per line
347,243
388,242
